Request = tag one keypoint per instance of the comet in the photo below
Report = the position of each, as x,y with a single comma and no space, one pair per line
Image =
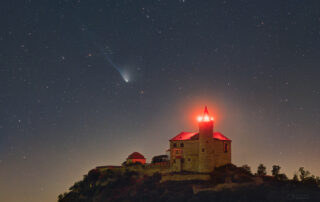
124,74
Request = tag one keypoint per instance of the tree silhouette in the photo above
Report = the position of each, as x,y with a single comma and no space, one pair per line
261,170
246,168
282,177
295,178
303,173
318,180
275,170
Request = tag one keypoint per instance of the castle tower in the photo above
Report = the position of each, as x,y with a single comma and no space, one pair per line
206,124
201,151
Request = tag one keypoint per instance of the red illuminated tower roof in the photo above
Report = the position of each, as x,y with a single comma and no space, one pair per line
195,136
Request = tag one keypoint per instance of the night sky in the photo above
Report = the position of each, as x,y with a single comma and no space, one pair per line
86,83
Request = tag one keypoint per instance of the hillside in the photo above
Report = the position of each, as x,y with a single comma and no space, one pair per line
227,183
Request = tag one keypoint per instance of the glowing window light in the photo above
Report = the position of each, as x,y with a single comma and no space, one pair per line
199,118
206,118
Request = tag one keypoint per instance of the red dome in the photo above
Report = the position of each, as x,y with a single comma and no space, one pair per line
136,155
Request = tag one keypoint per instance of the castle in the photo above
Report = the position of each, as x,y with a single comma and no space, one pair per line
200,151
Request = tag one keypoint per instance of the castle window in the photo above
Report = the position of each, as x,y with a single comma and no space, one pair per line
175,145
225,147
202,149
181,145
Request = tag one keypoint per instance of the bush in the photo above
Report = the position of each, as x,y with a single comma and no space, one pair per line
246,169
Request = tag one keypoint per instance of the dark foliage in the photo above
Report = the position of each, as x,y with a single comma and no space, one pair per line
282,177
275,170
262,170
230,173
295,178
303,173
246,168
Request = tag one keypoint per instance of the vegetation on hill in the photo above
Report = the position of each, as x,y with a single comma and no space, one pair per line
228,183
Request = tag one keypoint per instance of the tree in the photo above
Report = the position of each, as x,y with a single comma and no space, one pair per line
311,180
246,168
303,173
62,196
318,180
93,175
295,178
275,170
282,177
77,186
261,170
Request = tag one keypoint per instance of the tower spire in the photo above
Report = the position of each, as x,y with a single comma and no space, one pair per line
205,117
206,112
205,141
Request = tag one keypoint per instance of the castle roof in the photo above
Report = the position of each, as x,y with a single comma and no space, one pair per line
136,155
195,136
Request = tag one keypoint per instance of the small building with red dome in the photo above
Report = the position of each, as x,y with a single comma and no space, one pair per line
136,157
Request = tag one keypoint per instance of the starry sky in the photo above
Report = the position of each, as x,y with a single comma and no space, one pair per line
86,83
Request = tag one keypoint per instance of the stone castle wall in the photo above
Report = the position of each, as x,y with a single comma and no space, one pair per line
147,169
184,156
219,155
